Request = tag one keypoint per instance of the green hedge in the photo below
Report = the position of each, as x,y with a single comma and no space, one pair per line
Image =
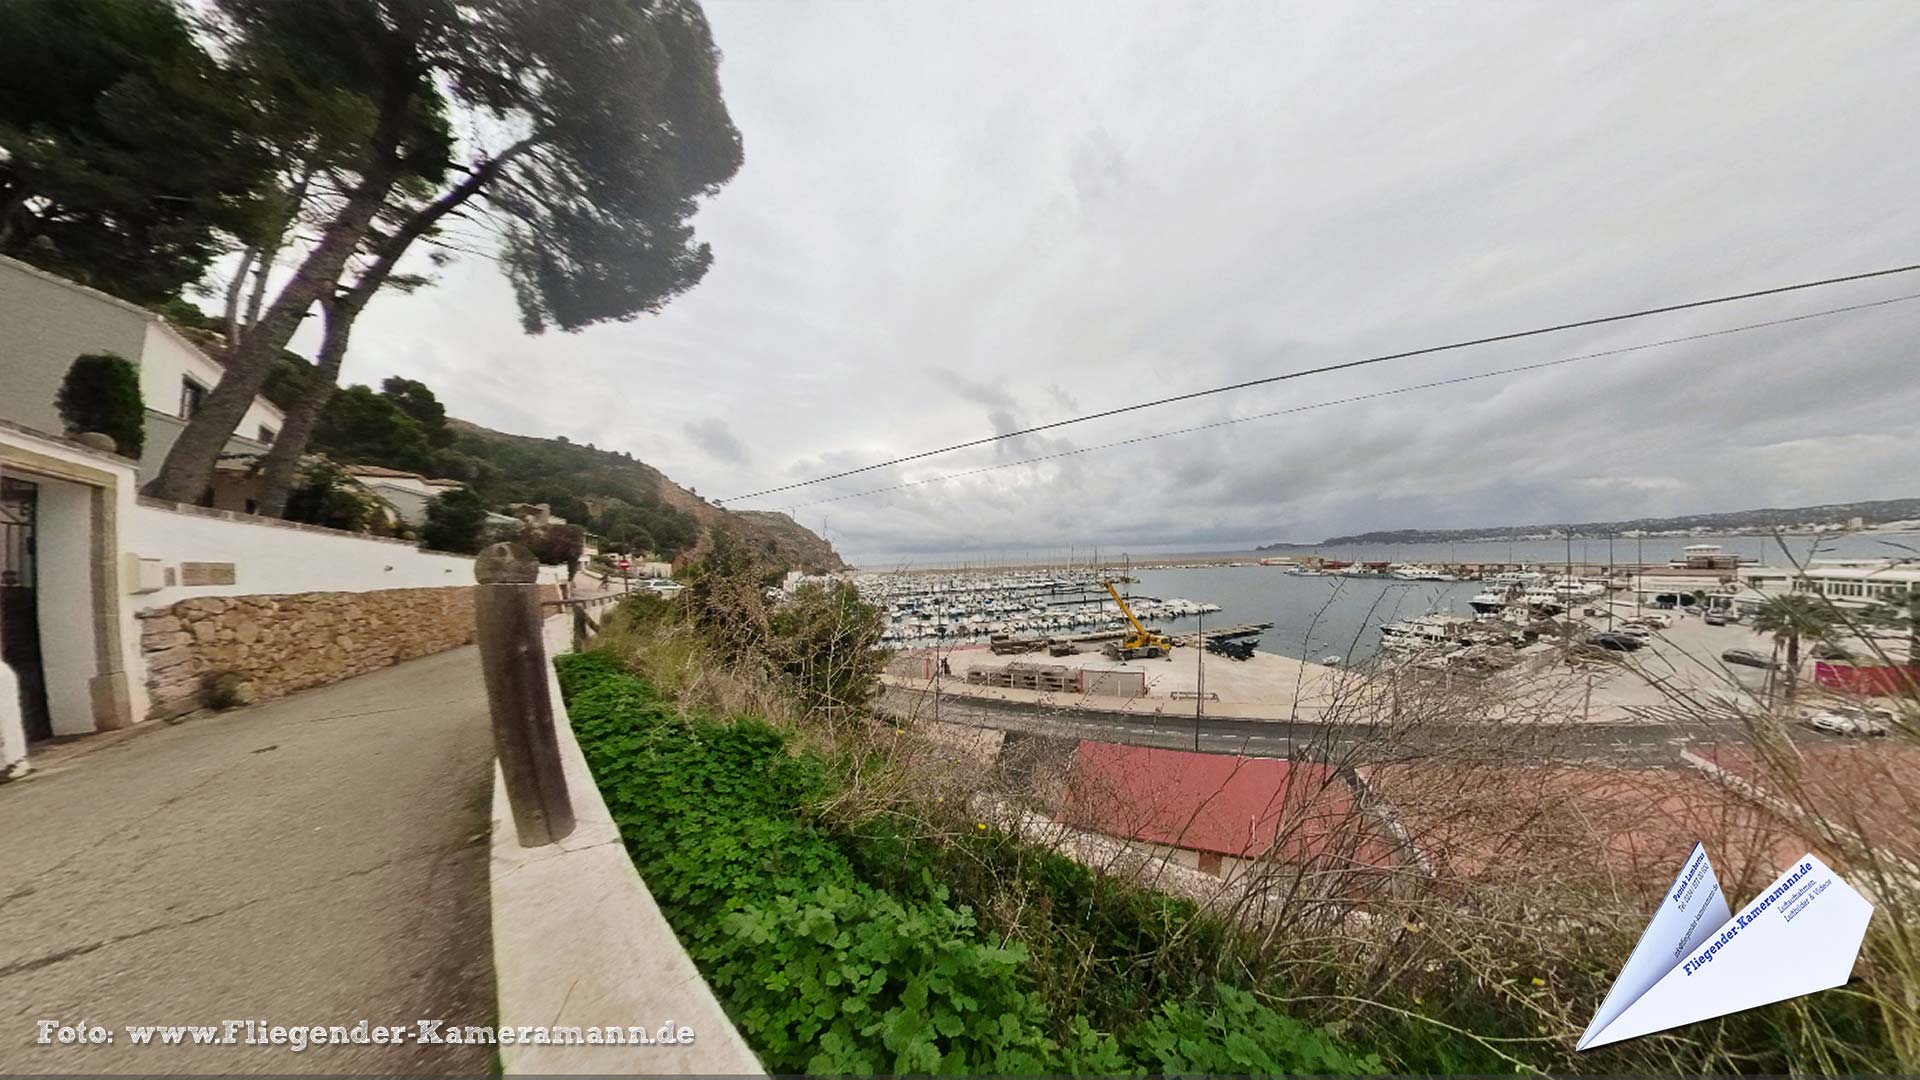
842,953
101,393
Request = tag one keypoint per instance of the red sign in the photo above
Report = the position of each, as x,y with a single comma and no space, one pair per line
624,564
1873,681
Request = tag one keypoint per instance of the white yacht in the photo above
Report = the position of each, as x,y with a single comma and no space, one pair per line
1425,632
1544,601
1489,602
1414,572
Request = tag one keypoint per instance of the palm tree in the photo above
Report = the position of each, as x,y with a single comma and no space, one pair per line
1793,617
1901,612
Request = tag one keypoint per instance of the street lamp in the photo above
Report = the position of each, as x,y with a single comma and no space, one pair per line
1200,677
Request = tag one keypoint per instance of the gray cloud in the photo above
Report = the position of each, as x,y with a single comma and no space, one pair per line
944,229
713,436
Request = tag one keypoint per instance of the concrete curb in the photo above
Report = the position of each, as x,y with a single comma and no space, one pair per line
579,942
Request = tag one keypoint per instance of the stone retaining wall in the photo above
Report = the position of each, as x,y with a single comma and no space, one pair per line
276,645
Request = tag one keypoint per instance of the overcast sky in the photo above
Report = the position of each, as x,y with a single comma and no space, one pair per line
956,219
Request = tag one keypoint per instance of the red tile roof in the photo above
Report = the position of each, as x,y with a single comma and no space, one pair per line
1869,787
1244,807
1627,826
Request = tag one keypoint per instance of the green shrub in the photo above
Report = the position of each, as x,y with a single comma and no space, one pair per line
848,979
1234,1034
101,392
223,690
326,496
842,952
556,545
454,522
825,639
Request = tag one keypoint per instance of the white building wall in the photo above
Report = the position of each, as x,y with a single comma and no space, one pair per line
67,657
44,323
408,500
166,358
277,558
163,430
274,559
47,321
63,527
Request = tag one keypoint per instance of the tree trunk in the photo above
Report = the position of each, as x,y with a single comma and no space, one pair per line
283,460
231,309
270,249
282,463
188,470
1793,665
258,293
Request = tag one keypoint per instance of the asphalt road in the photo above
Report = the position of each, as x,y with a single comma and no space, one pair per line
1656,742
312,860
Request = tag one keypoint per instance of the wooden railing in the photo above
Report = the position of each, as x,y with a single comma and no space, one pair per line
509,627
585,626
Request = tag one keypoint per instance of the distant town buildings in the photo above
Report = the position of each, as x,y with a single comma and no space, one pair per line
407,492
535,514
1724,580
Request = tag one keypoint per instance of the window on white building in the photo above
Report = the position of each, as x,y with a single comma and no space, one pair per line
192,396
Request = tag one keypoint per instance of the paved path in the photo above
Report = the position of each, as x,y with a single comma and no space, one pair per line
312,860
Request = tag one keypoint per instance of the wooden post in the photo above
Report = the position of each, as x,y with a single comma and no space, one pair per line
513,656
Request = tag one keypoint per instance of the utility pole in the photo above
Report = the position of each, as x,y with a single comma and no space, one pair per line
1567,591
1609,584
1640,576
1200,677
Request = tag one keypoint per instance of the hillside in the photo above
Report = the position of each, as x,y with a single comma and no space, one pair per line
631,505
622,498
1801,519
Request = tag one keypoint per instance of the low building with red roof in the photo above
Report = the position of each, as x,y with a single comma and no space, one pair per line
1223,814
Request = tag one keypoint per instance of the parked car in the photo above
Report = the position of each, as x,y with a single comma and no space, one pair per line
1656,621
1826,650
1716,618
1848,721
1748,658
1614,641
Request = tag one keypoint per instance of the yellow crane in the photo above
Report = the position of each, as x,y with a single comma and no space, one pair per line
1142,644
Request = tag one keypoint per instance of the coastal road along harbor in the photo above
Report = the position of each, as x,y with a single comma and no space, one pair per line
1639,708
1647,742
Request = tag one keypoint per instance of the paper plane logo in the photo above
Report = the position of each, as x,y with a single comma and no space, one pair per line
1698,959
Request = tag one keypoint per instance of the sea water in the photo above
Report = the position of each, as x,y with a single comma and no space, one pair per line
1312,617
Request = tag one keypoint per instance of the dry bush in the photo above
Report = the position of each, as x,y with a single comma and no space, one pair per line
1446,851
1439,856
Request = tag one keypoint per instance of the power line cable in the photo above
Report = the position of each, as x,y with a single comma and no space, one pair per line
1456,380
1343,366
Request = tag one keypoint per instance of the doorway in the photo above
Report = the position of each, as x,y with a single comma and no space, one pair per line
19,608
